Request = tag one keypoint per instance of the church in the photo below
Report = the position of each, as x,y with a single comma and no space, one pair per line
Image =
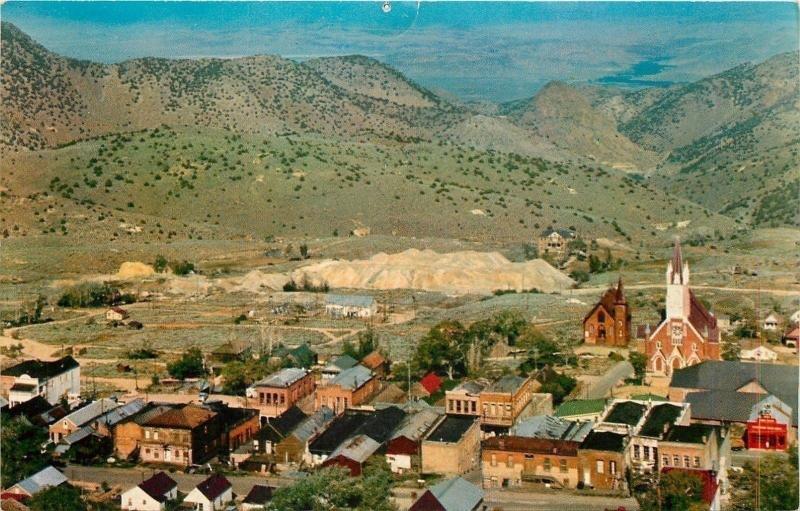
609,322
689,333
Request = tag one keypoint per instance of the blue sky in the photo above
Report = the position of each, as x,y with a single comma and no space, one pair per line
497,51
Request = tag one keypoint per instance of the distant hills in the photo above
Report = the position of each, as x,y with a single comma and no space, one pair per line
336,140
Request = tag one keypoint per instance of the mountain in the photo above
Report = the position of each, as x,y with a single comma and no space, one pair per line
562,115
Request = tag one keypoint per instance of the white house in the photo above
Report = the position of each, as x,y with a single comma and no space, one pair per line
116,314
350,306
151,494
771,322
211,495
52,380
257,498
761,353
795,318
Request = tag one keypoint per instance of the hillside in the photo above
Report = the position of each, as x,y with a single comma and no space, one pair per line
562,115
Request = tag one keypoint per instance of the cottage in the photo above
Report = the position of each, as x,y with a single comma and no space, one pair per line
792,338
212,494
555,242
452,447
116,314
771,322
45,478
350,388
257,498
759,353
53,380
79,418
376,362
450,495
350,306
151,494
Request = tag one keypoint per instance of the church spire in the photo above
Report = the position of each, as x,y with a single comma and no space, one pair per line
677,261
619,296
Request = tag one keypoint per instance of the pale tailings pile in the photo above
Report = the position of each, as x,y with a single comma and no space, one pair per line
456,272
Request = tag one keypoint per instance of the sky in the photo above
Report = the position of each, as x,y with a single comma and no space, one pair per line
496,51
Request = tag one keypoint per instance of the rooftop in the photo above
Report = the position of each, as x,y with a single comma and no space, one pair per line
349,300
451,429
578,407
42,369
691,434
158,486
276,429
604,441
258,494
214,486
532,445
45,478
626,412
416,425
473,387
373,360
91,411
352,378
283,378
659,417
729,405
313,424
457,494
341,363
186,417
555,428
357,448
507,384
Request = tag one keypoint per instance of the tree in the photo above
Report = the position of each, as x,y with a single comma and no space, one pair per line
639,363
331,488
182,267
444,347
234,378
770,485
304,251
21,447
675,490
160,264
367,343
730,348
58,498
190,365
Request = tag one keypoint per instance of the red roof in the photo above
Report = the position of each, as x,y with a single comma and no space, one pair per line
702,320
214,486
402,445
427,502
343,461
158,486
710,483
373,360
794,334
431,383
610,298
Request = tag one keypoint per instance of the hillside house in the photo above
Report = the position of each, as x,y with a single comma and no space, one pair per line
52,380
350,306
554,242
151,494
116,314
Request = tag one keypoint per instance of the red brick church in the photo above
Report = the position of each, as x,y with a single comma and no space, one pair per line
689,333
609,322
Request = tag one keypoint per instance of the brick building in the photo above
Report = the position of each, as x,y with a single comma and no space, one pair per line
609,322
689,334
280,391
349,388
129,433
498,404
516,461
452,447
186,435
601,456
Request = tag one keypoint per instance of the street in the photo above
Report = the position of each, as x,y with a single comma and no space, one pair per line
601,387
511,500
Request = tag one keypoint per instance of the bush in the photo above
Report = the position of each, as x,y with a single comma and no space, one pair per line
190,365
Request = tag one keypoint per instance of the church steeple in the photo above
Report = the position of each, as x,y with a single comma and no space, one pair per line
677,269
619,296
678,299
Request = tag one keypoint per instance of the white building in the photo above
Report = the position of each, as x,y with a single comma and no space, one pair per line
350,306
771,322
211,495
151,494
116,314
50,379
761,353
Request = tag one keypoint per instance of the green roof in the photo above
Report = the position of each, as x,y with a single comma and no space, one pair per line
580,407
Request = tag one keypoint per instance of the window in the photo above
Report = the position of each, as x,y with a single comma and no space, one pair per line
665,461
612,467
562,466
494,460
697,462
547,465
147,434
646,450
147,451
600,466
636,452
686,462
510,461
155,435
474,406
458,406
676,460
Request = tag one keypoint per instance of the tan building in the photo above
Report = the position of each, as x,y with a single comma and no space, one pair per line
128,434
518,461
186,435
452,447
697,446
349,388
280,391
498,404
602,460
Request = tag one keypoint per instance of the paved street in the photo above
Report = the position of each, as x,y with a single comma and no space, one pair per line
601,387
127,477
509,500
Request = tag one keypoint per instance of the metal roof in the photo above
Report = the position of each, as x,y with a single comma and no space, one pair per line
88,413
352,378
349,300
457,494
45,478
358,448
42,368
554,428
416,425
283,378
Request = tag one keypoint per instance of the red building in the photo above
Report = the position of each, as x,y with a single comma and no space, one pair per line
766,433
609,322
689,333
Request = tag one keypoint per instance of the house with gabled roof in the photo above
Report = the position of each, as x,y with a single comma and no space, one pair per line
404,447
45,478
257,498
212,494
81,417
151,494
336,366
353,453
376,362
295,447
454,494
